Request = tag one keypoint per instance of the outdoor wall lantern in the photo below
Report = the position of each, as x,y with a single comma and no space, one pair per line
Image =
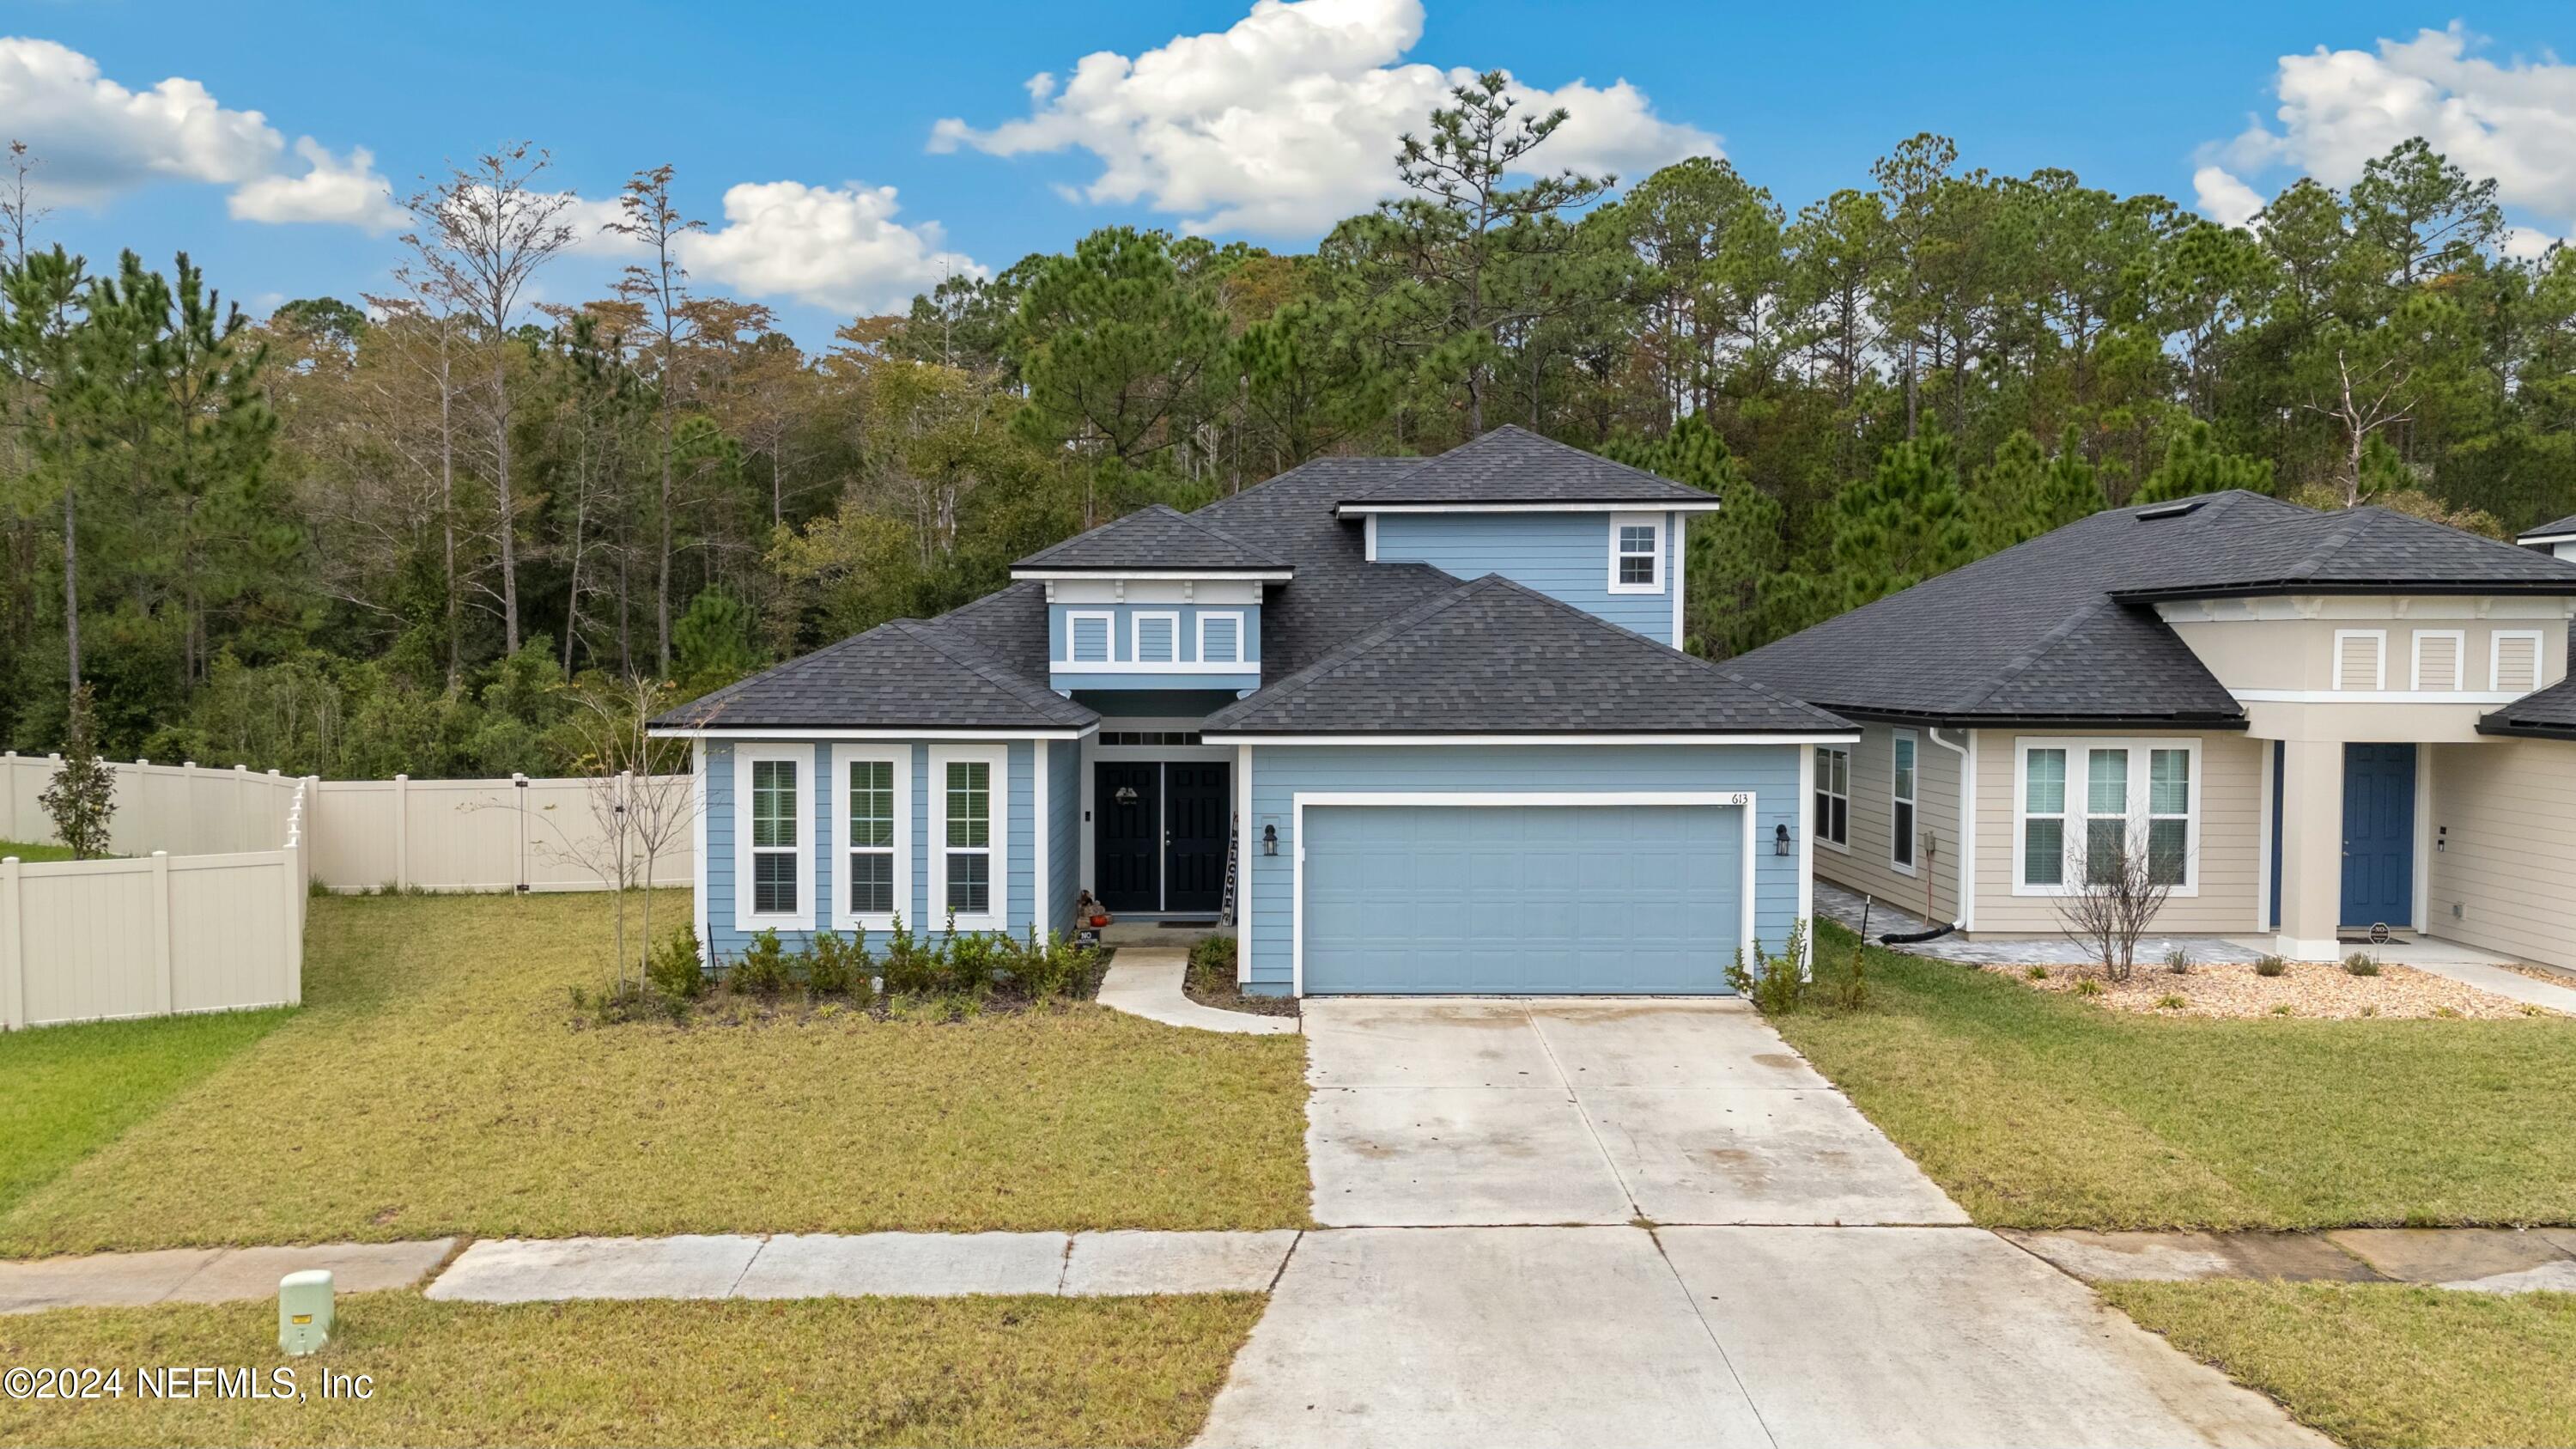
1269,840
1779,840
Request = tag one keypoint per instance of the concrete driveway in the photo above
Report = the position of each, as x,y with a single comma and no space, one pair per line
1651,1222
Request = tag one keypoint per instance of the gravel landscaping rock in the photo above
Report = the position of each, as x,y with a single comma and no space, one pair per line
2308,989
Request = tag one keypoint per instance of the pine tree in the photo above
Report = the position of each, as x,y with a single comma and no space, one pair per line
1905,523
1731,551
2024,493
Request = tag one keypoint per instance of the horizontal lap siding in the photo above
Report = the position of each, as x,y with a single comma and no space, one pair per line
2506,813
1281,772
725,941
2231,837
1064,833
1865,866
1565,556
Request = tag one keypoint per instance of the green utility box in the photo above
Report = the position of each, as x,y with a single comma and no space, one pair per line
304,1311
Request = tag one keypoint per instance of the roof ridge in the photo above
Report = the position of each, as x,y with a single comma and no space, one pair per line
1504,430
2022,662
1352,649
1220,535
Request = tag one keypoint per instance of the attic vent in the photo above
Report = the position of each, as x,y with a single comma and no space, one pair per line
2169,510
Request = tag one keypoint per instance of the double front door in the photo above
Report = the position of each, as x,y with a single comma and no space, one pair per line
1159,835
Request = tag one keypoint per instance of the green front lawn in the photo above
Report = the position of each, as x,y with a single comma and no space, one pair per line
814,1371
32,853
437,1081
72,1089
2372,1363
2037,1110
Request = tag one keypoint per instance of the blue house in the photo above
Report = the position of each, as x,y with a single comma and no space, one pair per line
1410,725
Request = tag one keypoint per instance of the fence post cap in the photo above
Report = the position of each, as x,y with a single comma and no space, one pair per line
187,764
272,770
8,860
160,854
245,769
141,761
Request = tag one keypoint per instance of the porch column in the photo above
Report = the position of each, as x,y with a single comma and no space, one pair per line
2311,848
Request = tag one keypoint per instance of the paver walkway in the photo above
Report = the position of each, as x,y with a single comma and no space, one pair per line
208,1275
1146,981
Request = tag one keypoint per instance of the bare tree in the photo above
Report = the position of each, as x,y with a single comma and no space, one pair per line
662,286
2365,402
642,801
479,236
2118,886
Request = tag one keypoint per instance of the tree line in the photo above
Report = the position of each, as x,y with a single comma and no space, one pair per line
385,533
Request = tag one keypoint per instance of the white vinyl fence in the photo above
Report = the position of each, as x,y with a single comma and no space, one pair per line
205,911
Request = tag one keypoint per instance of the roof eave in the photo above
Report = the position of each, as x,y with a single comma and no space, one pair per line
1940,719
2539,587
1356,508
1278,575
1275,735
711,730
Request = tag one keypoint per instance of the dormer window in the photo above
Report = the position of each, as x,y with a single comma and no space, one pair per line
1636,553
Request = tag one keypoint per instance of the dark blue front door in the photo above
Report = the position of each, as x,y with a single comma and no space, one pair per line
2378,834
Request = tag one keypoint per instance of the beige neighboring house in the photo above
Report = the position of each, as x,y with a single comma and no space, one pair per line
2316,724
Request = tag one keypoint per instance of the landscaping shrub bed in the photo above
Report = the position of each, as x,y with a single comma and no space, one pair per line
949,977
1210,981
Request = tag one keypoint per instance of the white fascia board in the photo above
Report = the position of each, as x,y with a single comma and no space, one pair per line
1267,576
814,732
2535,539
1647,505
1819,737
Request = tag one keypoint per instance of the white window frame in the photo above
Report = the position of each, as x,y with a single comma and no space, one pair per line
1108,632
1825,756
2379,639
744,917
2079,777
1201,641
997,840
2023,815
1136,638
1619,521
2495,659
900,757
2459,659
1913,803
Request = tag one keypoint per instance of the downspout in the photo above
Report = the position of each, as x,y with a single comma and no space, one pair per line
1966,916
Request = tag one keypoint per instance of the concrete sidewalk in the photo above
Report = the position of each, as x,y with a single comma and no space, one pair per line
1146,981
829,1265
208,1275
2476,1260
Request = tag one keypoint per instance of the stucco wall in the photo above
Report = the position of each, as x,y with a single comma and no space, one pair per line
1867,865
2504,867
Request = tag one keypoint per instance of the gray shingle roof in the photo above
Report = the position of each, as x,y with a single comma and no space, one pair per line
1514,465
1494,657
1337,592
2550,713
1157,536
903,674
2030,633
2356,550
2558,529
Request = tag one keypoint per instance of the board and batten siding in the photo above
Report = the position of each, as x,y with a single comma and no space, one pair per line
1565,556
1868,865
2231,836
726,941
1281,772
2504,815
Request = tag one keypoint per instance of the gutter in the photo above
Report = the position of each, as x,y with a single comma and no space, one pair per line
1967,753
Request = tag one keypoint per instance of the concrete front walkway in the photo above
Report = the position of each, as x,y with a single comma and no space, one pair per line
1634,1222
2476,1260
830,1265
208,1275
1146,981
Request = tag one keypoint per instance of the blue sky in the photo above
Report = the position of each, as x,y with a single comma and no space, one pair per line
813,109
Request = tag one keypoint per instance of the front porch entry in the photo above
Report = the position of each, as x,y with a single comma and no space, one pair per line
1159,835
2378,837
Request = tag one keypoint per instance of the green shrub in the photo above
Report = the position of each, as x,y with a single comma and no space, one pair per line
975,960
763,969
2088,988
2178,961
674,968
1775,984
1053,967
1212,957
2170,1002
910,968
2271,966
2361,963
835,966
2037,973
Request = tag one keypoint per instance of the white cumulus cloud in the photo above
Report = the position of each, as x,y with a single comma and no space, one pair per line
1287,121
2514,120
98,139
835,247
2223,198
348,194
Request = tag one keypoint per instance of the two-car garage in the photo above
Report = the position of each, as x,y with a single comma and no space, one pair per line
1528,894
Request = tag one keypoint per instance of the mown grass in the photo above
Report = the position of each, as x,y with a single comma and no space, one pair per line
437,1081
2383,1364
816,1371
33,853
2036,1110
69,1090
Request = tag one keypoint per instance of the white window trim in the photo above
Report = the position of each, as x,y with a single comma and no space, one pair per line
2379,638
1136,638
999,837
1654,521
1201,642
1108,632
899,756
2079,778
1824,786
1904,867
744,917
2495,661
1298,801
2459,659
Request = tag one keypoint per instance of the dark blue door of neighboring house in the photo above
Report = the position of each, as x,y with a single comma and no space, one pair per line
2378,834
